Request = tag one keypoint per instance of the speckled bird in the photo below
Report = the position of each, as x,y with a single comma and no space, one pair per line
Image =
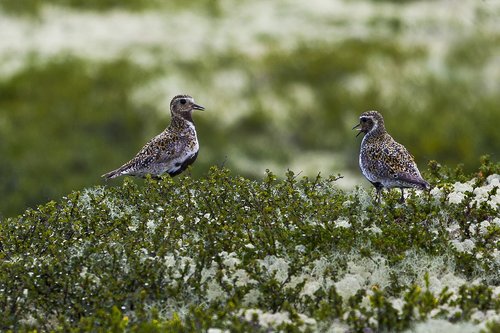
383,161
171,151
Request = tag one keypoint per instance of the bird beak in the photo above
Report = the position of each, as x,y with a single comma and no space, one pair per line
359,129
198,107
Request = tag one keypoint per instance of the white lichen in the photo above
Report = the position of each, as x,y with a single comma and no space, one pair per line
215,292
342,222
466,245
441,325
273,320
229,260
460,191
278,267
349,285
252,297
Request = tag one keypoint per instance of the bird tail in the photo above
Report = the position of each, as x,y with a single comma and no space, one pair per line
112,174
426,186
415,181
422,184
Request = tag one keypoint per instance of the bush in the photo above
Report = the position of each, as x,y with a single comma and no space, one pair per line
227,252
66,122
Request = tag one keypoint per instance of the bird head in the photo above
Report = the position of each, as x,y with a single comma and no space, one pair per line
370,121
183,105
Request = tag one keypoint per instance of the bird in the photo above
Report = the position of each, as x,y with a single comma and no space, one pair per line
171,151
383,161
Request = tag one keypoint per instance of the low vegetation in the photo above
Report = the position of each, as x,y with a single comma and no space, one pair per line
285,83
226,253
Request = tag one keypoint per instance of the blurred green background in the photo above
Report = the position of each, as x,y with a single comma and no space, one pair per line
84,84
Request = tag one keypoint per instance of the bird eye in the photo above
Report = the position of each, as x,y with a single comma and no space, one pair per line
362,119
183,101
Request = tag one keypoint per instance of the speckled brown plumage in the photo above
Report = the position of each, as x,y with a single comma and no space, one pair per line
383,161
171,151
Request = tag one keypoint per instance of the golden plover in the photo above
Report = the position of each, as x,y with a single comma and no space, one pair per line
383,161
171,151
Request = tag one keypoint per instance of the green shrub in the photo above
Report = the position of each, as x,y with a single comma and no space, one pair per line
62,120
223,251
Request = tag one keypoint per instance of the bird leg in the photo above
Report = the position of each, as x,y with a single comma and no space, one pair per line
402,199
378,188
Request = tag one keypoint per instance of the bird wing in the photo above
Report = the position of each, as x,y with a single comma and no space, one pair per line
401,164
161,148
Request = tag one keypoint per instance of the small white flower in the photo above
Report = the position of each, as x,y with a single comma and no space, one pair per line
180,218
